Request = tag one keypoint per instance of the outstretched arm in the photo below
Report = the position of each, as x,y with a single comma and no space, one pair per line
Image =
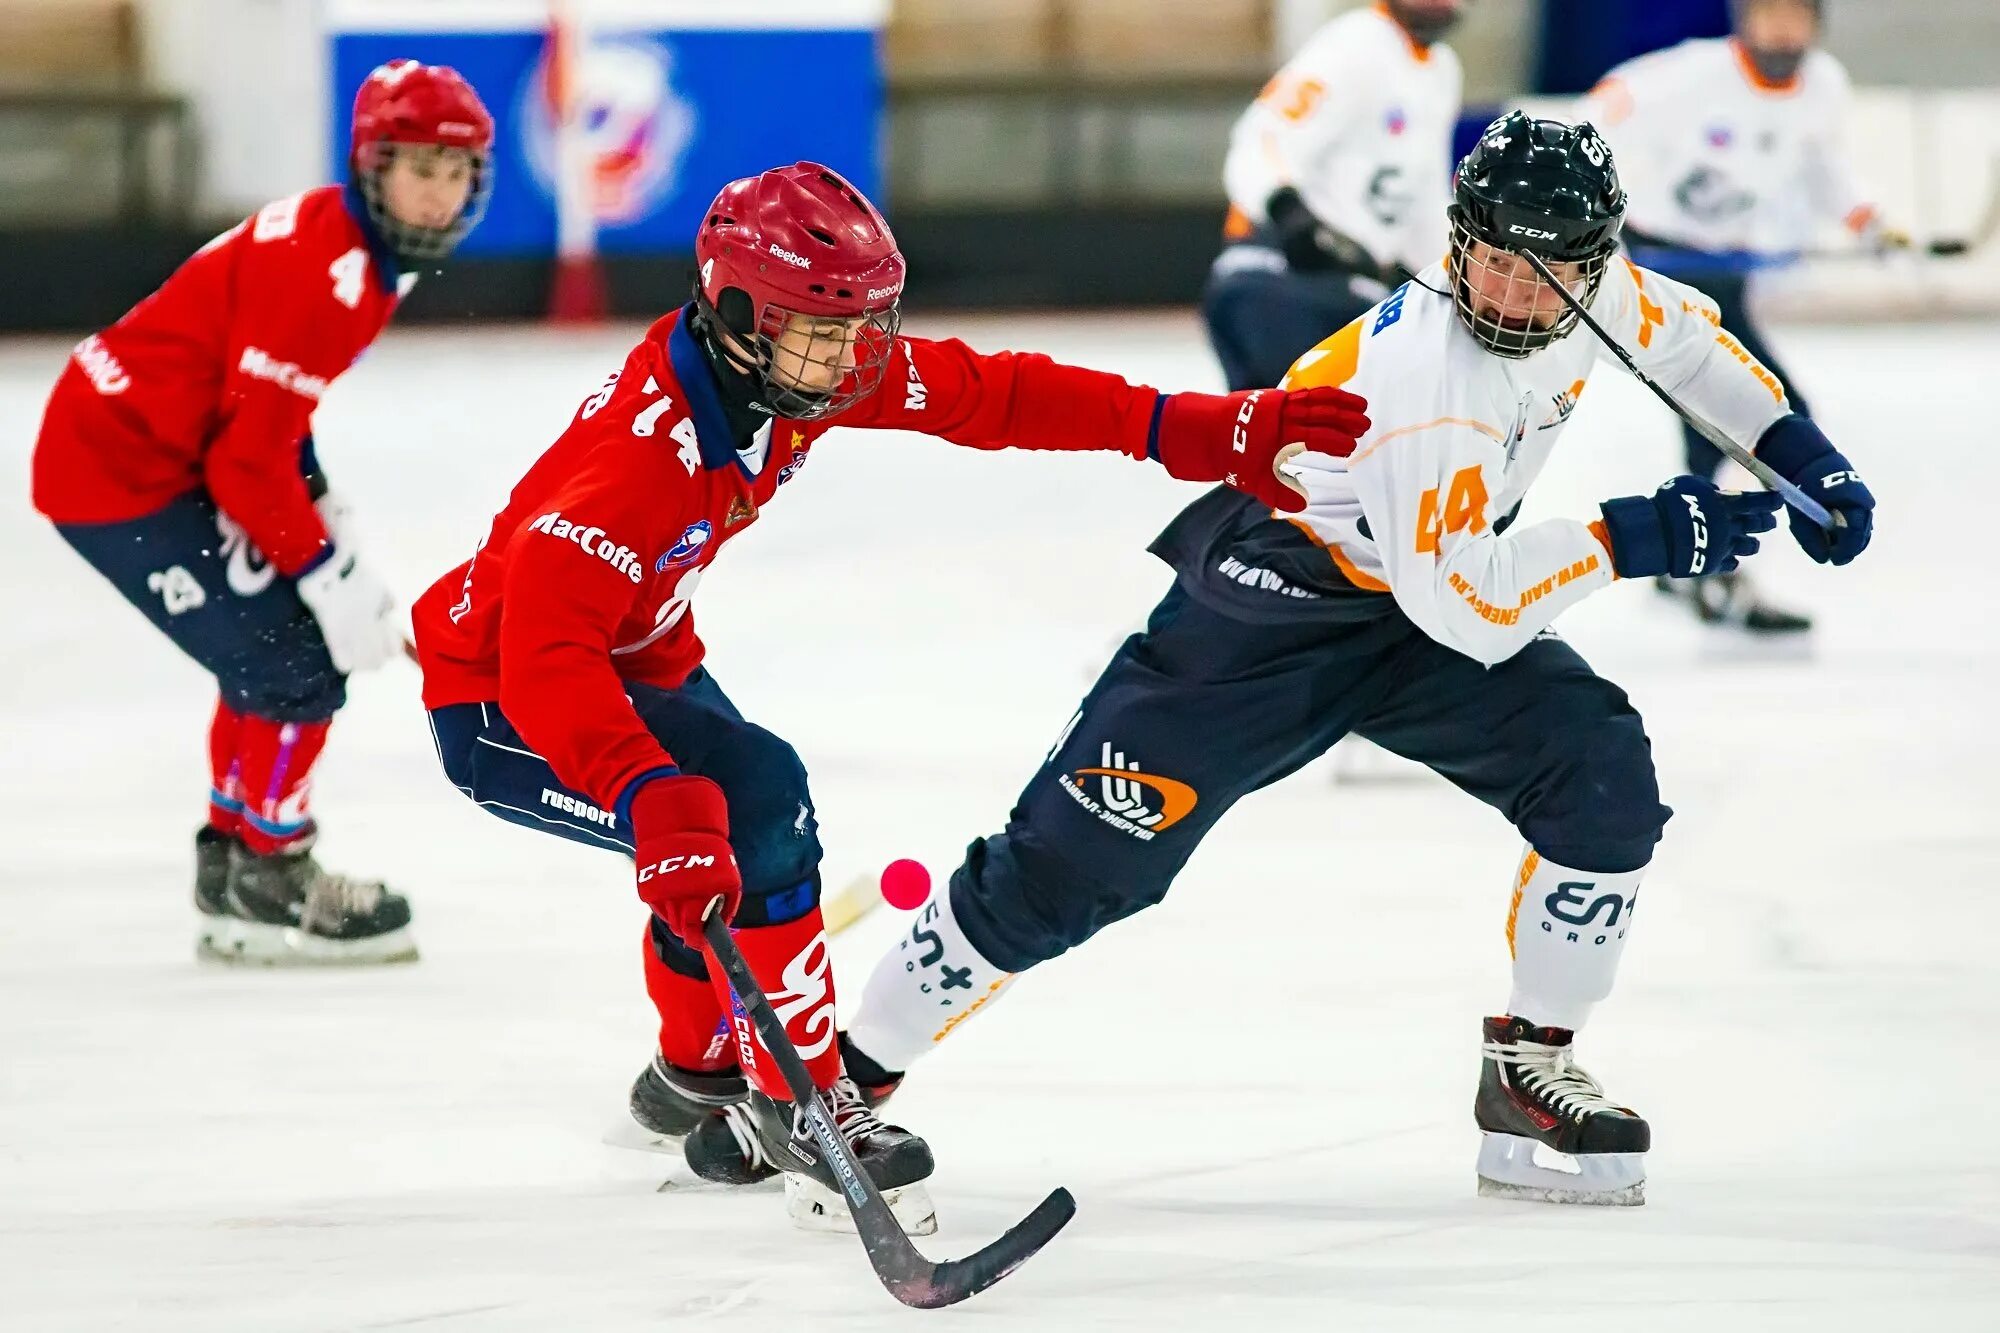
1025,400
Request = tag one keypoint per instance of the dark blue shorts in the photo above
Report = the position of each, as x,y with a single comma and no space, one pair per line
1261,319
772,827
1204,708
196,576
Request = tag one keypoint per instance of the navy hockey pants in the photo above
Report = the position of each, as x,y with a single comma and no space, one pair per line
198,578
772,828
1201,709
1263,317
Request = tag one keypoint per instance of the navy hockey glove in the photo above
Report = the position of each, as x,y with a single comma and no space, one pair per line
1799,451
1299,233
1688,528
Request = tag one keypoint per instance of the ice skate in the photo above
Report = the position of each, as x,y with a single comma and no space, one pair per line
756,1139
668,1102
1548,1132
1732,601
291,912
215,935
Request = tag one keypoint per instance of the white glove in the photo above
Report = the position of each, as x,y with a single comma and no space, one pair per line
356,613
338,515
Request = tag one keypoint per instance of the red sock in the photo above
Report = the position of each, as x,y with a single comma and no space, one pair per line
274,763
692,1033
792,964
225,793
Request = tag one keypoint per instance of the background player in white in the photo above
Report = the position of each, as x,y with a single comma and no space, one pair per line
1405,606
1338,177
1733,152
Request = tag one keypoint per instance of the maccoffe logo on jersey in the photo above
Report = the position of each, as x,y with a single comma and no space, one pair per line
621,558
259,364
1128,798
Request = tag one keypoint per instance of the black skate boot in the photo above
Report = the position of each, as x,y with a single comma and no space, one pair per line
668,1101
294,912
1733,602
215,937
876,1084
1548,1131
756,1139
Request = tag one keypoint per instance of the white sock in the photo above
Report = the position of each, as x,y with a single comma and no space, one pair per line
923,988
1566,931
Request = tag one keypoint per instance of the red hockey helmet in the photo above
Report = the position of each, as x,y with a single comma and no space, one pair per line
802,281
404,104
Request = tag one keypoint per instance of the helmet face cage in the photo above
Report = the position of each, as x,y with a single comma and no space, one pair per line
848,354
1521,291
411,242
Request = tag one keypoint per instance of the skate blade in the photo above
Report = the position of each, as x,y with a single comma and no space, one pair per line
629,1133
814,1207
1511,1167
256,944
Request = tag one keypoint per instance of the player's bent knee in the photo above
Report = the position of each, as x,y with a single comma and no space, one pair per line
306,695
1597,804
1020,904
772,828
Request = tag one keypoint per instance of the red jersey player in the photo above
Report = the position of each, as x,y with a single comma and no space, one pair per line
175,455
565,679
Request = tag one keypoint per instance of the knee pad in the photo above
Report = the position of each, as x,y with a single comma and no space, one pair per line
1598,803
772,827
1020,904
288,695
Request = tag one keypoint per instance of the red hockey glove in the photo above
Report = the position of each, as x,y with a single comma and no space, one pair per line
1241,439
680,832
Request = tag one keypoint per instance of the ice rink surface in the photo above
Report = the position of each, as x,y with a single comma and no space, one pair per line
1260,1093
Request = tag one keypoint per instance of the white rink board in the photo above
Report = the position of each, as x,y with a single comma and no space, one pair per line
1260,1092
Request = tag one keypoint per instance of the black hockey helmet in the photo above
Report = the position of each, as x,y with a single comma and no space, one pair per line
1540,186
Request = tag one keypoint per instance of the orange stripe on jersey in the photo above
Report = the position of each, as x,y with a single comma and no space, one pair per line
1237,224
1420,54
1491,432
1603,535
1329,365
1616,98
1781,88
1341,560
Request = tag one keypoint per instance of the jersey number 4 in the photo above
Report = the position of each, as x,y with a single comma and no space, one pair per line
1464,505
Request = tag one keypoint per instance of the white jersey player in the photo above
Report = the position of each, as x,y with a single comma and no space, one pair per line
1734,154
1404,606
1337,175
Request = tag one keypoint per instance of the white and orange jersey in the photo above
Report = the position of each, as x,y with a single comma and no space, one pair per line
1716,158
1359,122
1459,435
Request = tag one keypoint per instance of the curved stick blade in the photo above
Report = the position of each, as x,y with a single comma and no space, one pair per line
933,1286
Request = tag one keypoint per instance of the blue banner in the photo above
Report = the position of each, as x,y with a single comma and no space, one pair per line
670,117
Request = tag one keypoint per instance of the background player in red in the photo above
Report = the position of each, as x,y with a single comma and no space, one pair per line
176,456
564,674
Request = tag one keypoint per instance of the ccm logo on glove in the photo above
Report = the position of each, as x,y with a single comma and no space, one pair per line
1700,522
673,863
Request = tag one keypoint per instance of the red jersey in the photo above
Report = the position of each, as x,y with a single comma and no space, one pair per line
211,381
585,579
